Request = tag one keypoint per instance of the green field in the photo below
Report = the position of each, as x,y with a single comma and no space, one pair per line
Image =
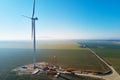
70,56
109,50
80,59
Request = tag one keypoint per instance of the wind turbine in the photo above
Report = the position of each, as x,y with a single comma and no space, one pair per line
33,34
33,19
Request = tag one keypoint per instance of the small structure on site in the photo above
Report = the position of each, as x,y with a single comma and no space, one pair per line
29,69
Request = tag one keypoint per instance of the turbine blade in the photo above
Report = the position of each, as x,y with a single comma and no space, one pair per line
33,9
32,30
26,17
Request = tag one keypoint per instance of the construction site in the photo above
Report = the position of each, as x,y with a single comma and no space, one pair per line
54,69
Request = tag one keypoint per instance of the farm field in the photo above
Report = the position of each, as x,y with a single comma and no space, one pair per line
109,50
73,56
80,59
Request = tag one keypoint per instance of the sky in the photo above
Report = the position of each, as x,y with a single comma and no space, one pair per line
60,19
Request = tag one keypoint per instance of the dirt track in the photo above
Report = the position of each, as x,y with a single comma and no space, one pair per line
113,76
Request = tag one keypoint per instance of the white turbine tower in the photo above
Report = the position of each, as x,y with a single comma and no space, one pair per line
33,34
33,19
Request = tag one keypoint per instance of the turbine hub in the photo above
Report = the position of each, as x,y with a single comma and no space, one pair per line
35,18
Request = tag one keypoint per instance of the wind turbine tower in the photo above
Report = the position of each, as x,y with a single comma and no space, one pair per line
33,19
33,34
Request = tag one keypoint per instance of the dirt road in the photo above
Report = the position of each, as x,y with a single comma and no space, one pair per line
113,76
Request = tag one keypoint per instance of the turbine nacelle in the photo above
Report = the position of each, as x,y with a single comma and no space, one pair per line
34,18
